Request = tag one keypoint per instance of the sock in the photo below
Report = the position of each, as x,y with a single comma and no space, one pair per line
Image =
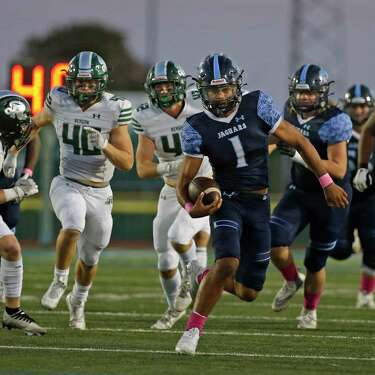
11,311
196,320
170,287
202,275
290,272
189,255
80,293
367,283
202,256
12,274
61,275
311,301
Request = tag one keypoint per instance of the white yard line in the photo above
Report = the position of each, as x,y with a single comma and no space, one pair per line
162,352
226,333
226,317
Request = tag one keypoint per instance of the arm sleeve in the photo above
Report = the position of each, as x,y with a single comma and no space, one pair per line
336,129
191,141
126,113
267,111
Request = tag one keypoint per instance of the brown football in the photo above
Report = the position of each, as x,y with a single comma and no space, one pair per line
207,185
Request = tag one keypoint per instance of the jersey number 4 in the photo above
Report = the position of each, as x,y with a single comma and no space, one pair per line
175,148
78,139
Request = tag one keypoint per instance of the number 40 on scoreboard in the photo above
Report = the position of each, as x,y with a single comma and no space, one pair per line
33,82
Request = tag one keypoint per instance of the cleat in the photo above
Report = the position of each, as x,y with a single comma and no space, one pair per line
2,294
365,300
168,320
307,319
188,342
76,312
287,291
183,299
52,296
20,320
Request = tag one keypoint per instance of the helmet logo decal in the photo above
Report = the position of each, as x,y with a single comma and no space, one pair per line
16,110
220,81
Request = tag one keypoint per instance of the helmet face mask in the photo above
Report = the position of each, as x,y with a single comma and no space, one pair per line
358,103
305,82
15,119
219,83
87,77
166,84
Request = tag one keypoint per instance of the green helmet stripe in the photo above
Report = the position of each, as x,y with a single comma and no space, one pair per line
161,69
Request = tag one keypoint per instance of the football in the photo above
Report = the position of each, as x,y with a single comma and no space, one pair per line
207,185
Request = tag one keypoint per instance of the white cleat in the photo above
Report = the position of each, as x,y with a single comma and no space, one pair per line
287,291
52,296
188,342
183,299
307,319
168,320
365,300
2,294
20,320
76,312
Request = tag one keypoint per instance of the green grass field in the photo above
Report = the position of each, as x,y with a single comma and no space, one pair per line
241,338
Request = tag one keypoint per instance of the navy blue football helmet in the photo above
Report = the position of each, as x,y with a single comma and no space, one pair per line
218,71
313,78
358,103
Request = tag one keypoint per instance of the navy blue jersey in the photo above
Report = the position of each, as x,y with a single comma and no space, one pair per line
237,146
330,127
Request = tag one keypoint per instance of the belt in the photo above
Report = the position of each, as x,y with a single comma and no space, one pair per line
87,185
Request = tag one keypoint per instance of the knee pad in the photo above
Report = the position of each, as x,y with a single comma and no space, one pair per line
281,232
315,259
343,250
89,253
167,260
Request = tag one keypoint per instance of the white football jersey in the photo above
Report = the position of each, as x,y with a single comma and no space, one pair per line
165,131
79,159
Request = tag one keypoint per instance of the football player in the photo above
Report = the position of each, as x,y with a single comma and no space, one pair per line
233,132
91,126
176,235
15,124
364,189
329,129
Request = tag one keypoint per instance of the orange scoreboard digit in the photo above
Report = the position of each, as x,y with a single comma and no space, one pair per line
33,82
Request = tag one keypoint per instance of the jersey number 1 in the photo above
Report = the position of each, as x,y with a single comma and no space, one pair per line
79,140
238,149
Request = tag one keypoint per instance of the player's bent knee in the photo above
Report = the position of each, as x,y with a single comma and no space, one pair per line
225,269
167,260
247,294
180,247
10,248
315,260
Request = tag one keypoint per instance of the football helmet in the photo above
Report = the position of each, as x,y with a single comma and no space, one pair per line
358,103
15,119
311,78
166,71
86,68
218,72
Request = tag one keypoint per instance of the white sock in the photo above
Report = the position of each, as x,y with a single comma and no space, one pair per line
61,275
189,255
80,293
170,287
12,276
202,256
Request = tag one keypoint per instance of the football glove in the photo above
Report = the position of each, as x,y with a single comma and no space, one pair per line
362,179
96,138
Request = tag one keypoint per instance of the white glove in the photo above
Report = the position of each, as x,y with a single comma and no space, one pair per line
362,179
10,165
169,168
96,138
23,188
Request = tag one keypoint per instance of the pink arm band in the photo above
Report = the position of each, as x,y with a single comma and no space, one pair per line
188,206
28,171
325,180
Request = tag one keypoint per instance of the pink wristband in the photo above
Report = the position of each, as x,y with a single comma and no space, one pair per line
188,206
28,172
325,180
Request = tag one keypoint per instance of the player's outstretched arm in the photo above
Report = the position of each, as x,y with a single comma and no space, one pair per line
335,195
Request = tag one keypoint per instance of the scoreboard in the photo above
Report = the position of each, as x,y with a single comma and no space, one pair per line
34,82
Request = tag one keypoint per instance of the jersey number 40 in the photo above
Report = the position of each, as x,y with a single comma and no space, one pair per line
78,139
